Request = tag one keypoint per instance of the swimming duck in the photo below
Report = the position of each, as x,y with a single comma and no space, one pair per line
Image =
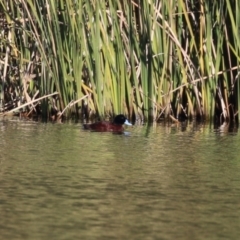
103,126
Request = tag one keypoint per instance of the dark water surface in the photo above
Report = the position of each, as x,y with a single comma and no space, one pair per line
166,182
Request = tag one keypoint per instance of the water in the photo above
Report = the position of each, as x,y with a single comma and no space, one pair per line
165,182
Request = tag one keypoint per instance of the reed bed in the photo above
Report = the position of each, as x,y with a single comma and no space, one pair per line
146,59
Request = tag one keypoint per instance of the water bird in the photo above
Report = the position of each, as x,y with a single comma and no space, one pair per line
103,126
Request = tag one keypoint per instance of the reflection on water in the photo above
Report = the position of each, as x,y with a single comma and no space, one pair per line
164,182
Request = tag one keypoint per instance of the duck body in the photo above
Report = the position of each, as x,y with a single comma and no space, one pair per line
103,126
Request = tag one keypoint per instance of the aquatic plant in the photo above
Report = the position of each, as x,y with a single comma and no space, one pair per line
147,59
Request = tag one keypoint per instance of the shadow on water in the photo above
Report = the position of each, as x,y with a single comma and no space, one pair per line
158,182
227,128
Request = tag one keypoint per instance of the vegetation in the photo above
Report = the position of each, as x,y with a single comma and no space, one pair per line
146,59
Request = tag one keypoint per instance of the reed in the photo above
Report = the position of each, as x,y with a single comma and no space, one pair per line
146,59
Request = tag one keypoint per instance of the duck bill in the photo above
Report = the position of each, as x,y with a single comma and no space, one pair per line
127,123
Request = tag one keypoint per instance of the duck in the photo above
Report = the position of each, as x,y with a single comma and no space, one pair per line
103,126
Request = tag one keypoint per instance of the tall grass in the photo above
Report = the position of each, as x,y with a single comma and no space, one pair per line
147,59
